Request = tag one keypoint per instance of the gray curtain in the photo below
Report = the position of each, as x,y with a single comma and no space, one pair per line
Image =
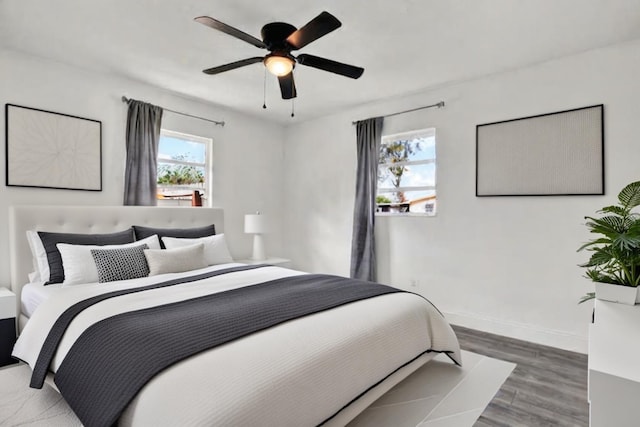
143,135
363,253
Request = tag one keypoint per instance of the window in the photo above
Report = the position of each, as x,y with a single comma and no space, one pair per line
183,167
407,173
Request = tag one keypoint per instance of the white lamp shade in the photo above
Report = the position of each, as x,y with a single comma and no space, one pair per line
255,224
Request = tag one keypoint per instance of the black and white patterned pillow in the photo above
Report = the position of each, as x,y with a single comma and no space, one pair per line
121,263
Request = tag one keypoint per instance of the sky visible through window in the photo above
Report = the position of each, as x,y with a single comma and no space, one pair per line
174,148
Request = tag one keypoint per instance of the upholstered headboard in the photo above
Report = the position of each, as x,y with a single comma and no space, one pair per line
93,219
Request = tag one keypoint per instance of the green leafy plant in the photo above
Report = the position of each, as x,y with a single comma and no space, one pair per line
383,199
615,253
179,175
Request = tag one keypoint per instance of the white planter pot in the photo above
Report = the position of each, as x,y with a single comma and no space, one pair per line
616,293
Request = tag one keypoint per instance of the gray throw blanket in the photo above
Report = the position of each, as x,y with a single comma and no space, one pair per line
114,358
57,331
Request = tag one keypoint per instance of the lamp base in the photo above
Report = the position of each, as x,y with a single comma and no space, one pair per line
259,253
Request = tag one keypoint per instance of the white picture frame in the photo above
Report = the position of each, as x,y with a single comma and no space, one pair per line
45,149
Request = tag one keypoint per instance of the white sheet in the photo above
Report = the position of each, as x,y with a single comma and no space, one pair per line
296,374
34,294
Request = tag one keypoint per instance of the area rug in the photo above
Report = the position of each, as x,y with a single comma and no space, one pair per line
439,394
24,406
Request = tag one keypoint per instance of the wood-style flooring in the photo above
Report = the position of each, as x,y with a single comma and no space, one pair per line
548,387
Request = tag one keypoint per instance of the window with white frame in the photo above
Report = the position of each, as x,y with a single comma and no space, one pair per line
183,167
407,174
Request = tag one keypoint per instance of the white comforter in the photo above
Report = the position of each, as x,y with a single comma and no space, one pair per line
296,374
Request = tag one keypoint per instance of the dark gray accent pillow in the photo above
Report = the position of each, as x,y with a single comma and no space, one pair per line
121,263
50,240
181,233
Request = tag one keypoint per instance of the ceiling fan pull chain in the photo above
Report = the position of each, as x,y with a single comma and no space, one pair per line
264,91
293,99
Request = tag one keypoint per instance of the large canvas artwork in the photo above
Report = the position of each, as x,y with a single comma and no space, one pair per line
547,155
51,150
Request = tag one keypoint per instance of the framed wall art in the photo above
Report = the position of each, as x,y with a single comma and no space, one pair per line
552,154
52,150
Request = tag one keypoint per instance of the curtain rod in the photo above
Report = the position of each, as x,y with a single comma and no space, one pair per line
439,105
220,123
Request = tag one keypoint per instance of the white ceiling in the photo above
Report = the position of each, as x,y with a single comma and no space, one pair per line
404,45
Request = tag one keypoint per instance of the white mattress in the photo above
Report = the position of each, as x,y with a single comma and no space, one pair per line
34,294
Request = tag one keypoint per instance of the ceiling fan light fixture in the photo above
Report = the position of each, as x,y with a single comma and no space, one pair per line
278,65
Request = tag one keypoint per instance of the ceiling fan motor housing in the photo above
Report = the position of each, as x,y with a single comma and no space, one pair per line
275,34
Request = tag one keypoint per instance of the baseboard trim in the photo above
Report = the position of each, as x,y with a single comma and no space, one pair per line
550,337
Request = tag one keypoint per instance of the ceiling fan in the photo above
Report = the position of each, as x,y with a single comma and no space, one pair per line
280,38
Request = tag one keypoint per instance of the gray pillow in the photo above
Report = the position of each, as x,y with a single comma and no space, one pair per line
183,233
50,240
175,260
121,263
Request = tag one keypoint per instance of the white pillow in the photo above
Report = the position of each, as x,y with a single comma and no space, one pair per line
40,262
78,263
175,260
34,277
215,247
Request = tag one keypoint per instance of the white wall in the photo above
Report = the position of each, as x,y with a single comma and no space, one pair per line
247,152
506,265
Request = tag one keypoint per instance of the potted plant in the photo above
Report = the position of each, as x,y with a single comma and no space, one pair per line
383,203
614,264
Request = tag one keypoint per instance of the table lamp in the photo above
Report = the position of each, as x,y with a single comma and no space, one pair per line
256,224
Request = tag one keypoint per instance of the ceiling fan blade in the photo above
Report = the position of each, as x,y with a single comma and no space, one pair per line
329,65
319,26
228,29
287,86
233,65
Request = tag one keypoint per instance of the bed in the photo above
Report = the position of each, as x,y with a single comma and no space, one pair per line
320,367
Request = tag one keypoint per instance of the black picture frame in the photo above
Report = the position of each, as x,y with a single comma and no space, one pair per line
553,154
46,149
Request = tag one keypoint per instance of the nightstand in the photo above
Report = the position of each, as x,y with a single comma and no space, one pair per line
282,262
7,326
